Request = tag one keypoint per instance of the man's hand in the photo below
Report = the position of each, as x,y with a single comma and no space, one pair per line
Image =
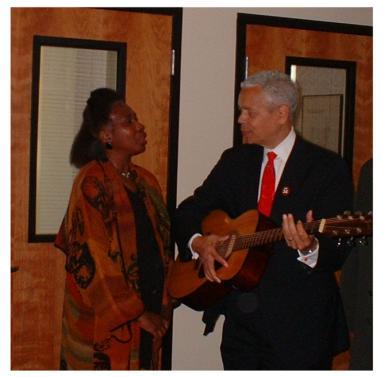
205,246
295,234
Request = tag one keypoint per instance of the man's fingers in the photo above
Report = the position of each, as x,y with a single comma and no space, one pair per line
300,229
210,271
209,255
222,261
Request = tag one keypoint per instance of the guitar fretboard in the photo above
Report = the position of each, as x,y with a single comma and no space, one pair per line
264,237
350,226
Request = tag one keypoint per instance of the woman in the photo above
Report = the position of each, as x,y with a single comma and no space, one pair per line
115,235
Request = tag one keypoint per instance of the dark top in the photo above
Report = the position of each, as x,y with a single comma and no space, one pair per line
151,276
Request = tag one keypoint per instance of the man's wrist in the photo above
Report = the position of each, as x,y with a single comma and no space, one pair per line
195,255
313,247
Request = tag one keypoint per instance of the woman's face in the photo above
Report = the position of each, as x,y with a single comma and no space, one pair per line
126,133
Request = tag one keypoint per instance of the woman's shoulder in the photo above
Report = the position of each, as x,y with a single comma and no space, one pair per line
90,182
91,174
92,168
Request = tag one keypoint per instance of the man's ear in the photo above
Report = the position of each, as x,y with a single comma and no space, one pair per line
284,114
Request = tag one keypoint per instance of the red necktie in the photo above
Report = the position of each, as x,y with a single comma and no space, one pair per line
267,191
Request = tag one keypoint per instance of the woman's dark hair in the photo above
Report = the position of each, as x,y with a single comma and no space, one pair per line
86,145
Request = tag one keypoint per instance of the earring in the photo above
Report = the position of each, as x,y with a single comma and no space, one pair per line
108,145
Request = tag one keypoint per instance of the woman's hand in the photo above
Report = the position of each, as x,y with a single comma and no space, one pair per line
153,323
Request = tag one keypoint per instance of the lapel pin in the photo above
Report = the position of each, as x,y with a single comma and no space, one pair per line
285,191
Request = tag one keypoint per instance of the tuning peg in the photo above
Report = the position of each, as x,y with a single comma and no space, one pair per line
347,213
350,241
339,241
362,241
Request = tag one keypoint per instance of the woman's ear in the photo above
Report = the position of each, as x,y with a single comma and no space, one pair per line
105,135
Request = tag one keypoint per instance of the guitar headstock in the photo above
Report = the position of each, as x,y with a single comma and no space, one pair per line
347,225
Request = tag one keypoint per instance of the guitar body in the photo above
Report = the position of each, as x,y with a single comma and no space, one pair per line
186,279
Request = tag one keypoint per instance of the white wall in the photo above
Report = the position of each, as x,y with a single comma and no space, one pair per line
206,118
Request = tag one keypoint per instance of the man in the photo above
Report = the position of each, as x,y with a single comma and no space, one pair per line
293,319
356,282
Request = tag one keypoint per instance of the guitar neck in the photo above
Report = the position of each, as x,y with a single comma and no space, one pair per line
269,236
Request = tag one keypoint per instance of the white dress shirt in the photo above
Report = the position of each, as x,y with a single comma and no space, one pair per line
282,151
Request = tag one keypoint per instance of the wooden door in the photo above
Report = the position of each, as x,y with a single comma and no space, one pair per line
37,286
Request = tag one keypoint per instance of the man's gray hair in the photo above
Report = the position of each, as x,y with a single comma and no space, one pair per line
278,87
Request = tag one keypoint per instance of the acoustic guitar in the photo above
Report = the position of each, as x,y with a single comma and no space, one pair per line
247,253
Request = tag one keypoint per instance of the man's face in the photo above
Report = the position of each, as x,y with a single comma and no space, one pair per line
260,122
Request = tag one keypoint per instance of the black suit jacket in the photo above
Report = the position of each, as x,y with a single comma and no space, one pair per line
301,306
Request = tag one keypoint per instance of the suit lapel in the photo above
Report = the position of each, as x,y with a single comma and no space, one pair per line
252,177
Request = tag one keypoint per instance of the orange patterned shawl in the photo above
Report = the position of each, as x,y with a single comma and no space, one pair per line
102,299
